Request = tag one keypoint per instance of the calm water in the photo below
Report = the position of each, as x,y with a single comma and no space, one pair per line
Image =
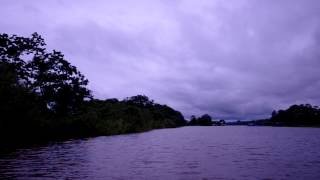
182,153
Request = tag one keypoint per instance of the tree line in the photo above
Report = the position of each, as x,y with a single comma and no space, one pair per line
204,120
297,115
43,96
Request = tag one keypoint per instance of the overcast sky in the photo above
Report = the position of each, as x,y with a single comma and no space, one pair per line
232,59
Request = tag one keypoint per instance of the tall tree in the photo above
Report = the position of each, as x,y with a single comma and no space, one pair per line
59,84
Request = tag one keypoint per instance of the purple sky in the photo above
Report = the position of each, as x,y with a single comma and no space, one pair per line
233,59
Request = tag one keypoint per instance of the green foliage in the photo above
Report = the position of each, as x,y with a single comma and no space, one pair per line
21,110
59,84
297,115
42,96
204,120
112,116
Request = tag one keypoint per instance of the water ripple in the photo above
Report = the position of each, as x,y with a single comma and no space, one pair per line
182,153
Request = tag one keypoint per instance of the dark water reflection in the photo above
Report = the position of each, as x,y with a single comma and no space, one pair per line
182,153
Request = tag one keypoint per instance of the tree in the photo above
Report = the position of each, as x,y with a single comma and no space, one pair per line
15,50
222,122
193,120
42,96
140,100
205,120
20,109
59,84
297,115
274,113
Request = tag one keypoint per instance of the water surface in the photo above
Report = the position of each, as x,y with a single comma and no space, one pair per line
229,152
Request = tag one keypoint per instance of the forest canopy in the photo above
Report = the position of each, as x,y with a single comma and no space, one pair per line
297,115
43,95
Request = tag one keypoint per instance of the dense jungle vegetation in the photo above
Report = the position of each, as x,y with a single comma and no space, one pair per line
43,96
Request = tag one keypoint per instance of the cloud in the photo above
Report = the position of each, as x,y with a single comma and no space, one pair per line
236,59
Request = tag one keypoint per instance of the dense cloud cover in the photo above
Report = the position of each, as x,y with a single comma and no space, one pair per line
235,59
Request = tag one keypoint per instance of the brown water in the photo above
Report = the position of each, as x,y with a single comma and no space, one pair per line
184,153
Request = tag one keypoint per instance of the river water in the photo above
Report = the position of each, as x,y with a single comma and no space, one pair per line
230,152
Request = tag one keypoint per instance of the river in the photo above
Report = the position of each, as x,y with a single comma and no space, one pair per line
229,152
